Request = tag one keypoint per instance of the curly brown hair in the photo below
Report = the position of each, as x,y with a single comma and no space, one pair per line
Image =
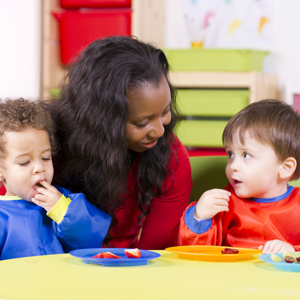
16,115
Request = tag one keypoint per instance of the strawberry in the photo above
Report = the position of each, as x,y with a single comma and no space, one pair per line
132,253
106,255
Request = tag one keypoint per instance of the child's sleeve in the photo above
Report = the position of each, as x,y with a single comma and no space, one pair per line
193,232
296,247
83,225
3,232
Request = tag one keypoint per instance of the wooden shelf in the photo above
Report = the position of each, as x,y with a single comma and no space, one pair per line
208,133
261,85
148,19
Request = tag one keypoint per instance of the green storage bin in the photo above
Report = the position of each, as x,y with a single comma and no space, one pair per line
211,103
215,59
201,133
54,93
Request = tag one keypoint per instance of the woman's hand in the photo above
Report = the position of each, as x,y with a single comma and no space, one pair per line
276,246
47,197
212,202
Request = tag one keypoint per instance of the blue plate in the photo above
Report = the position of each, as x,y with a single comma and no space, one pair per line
86,256
282,265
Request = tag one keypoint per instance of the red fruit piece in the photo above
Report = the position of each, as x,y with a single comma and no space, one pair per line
106,255
235,251
229,251
132,253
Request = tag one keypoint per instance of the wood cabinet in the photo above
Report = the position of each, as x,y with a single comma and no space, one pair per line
207,100
261,85
148,19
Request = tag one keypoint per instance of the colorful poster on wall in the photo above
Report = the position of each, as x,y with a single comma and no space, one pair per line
229,23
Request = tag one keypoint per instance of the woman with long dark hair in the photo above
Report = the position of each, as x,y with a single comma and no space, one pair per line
115,118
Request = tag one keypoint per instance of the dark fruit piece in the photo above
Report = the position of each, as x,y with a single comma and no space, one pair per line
229,251
235,251
289,259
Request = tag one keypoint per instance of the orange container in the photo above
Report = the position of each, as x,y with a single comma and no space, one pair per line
78,28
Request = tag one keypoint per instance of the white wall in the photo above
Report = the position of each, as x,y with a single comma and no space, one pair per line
20,48
284,59
20,45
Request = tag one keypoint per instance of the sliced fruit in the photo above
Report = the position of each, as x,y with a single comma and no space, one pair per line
288,253
132,253
275,257
230,251
106,255
297,254
289,259
234,251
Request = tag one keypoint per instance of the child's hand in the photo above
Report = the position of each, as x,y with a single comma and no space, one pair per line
47,196
276,246
212,202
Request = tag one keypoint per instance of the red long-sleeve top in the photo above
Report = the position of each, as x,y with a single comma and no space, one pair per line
249,223
165,210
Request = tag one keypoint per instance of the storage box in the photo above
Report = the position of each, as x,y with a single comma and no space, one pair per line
94,3
78,28
215,59
211,103
201,133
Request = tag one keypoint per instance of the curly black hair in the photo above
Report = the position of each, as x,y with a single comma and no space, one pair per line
91,114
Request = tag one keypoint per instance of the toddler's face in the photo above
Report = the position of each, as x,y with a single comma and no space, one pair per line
27,161
253,169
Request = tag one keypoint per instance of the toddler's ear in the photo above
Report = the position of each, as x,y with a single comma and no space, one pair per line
288,168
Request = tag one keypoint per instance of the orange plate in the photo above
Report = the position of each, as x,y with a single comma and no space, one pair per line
211,253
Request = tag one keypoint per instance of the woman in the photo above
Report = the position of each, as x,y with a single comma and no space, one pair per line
115,119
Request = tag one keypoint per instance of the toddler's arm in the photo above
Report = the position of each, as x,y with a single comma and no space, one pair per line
47,197
210,203
201,223
276,246
77,223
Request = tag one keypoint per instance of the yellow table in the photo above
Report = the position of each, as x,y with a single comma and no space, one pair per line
168,277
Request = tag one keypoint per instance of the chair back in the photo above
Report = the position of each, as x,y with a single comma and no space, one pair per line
208,172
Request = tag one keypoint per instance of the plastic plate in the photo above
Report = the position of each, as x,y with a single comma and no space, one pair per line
282,265
86,256
212,253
